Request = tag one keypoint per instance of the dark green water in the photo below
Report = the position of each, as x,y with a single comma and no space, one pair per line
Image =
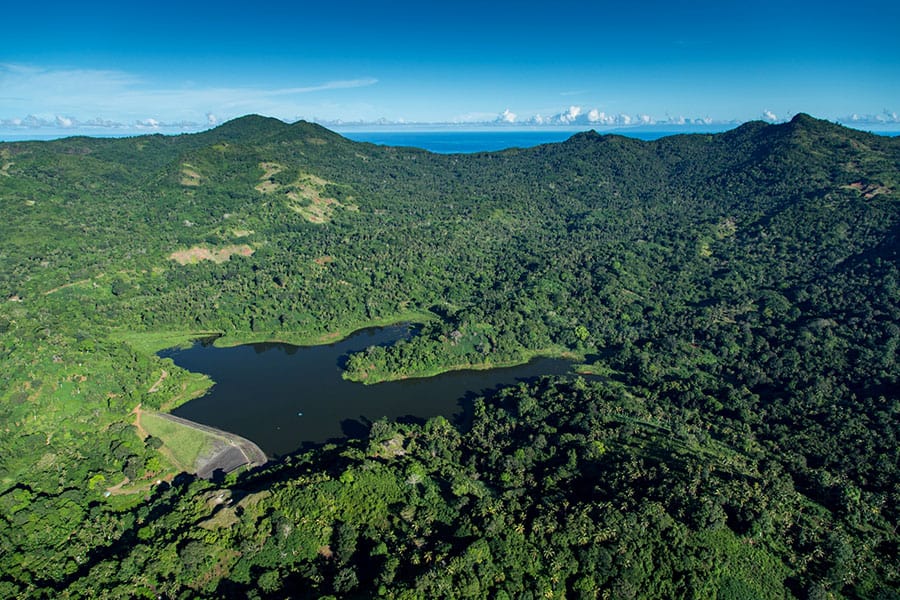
285,398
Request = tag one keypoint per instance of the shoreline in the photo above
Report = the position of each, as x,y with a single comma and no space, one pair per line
228,340
529,356
153,342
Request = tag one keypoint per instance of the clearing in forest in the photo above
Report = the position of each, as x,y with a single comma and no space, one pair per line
869,190
270,170
305,196
217,255
189,175
6,164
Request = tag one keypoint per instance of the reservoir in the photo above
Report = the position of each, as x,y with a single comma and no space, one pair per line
286,398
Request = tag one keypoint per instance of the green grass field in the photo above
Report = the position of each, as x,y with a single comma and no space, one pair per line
185,443
153,342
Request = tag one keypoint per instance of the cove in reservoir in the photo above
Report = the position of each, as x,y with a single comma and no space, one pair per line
285,398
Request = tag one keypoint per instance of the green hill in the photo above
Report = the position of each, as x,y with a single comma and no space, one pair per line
739,291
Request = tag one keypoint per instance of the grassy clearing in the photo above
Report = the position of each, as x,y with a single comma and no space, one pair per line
217,255
266,185
599,369
306,195
153,342
185,443
189,175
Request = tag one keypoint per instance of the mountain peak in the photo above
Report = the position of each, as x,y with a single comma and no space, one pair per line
250,125
803,119
804,122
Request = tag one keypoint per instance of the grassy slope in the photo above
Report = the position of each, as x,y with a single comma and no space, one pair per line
186,444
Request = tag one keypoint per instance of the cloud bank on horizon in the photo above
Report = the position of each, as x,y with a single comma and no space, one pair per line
85,100
36,98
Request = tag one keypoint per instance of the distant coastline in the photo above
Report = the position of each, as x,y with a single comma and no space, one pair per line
444,140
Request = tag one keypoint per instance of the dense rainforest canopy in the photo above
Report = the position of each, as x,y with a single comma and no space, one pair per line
736,298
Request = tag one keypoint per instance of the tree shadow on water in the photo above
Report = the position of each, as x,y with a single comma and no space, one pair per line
356,428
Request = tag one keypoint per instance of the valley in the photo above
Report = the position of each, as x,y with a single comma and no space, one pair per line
735,294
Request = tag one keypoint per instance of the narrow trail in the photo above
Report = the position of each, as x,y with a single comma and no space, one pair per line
65,285
223,457
117,489
158,383
136,411
162,450
79,282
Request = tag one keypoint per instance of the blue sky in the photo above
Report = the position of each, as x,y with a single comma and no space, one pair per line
169,65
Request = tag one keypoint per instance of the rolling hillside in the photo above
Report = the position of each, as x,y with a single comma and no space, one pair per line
737,293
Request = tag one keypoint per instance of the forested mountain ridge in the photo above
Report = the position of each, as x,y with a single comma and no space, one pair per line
739,293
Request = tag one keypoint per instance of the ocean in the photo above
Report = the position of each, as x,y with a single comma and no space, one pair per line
452,141
442,141
463,142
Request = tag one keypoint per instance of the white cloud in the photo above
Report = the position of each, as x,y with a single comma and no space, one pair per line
768,115
472,117
64,121
884,118
212,119
600,117
330,85
571,115
507,116
579,115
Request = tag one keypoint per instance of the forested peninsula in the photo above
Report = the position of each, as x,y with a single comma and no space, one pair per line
736,298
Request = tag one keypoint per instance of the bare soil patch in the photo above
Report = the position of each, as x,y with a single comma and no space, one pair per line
217,255
869,191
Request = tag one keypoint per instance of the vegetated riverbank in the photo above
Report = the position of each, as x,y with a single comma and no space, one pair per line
152,342
301,338
374,375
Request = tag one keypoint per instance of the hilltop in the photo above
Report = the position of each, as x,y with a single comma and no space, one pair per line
737,292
